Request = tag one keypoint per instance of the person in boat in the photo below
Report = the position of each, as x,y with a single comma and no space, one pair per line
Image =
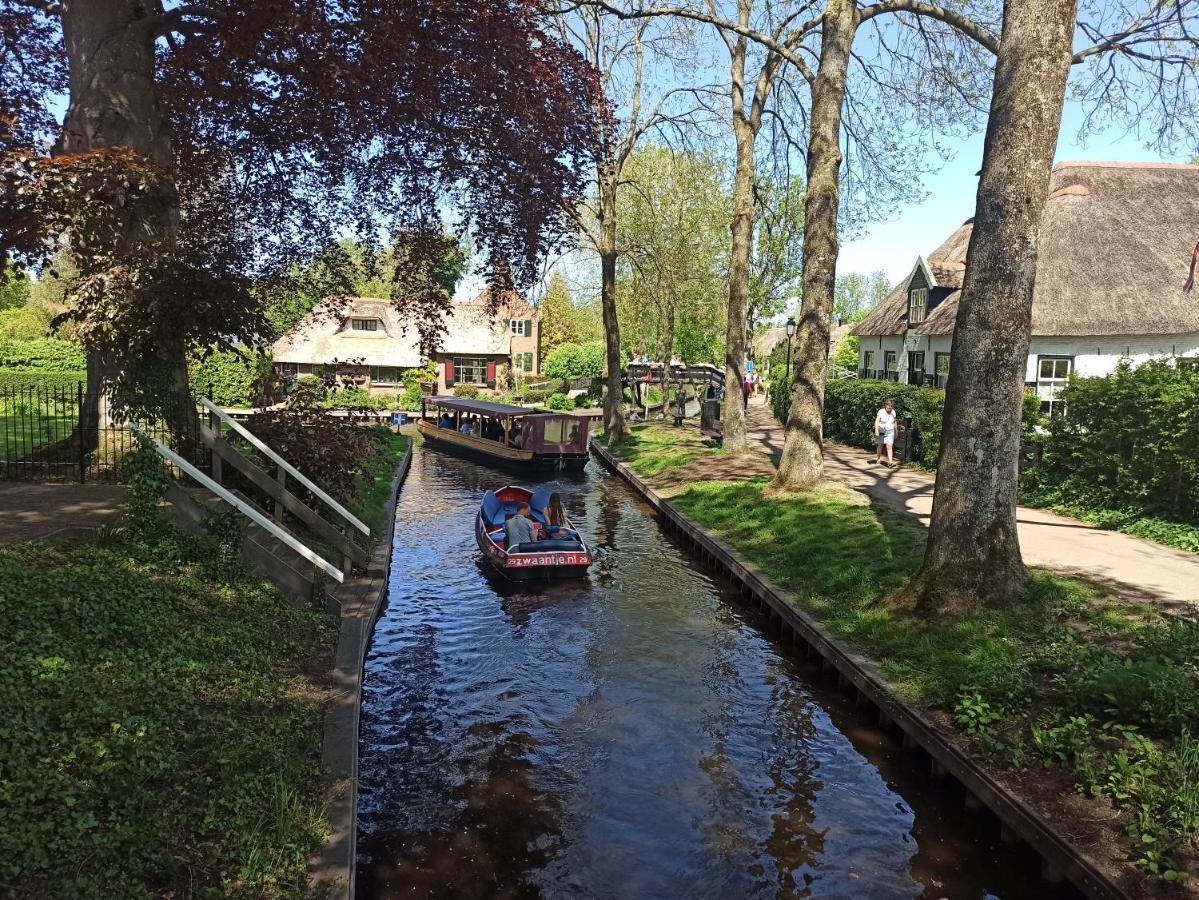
515,435
446,420
493,430
519,529
556,523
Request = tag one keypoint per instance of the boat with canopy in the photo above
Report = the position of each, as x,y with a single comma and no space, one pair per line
506,435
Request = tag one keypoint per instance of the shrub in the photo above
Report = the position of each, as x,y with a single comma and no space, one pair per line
571,362
232,375
1126,444
469,391
414,380
351,398
25,323
330,452
559,402
307,392
583,401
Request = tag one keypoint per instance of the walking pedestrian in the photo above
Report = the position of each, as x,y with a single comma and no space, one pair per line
884,433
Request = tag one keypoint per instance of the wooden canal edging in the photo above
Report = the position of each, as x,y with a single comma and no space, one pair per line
360,600
1061,859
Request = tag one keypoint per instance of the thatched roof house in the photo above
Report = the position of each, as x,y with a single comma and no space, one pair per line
369,335
1116,244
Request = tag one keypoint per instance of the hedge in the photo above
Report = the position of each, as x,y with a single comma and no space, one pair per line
231,375
27,379
1126,444
851,404
42,354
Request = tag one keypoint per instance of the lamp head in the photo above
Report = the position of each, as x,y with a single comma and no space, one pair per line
790,326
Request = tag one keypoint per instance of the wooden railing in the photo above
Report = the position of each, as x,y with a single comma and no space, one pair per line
275,487
245,508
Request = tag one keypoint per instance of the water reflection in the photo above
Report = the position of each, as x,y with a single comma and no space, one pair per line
633,734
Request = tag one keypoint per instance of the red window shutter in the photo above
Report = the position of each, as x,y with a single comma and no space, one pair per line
491,374
449,373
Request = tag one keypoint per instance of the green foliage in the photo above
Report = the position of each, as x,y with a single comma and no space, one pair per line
851,404
583,401
233,375
156,737
571,362
777,261
559,318
468,391
846,353
1125,453
856,294
307,392
559,402
43,355
24,379
414,379
14,289
25,323
779,388
146,481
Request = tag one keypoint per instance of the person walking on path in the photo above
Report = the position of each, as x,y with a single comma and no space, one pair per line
884,433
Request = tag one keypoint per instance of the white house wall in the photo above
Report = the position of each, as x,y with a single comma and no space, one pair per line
1095,356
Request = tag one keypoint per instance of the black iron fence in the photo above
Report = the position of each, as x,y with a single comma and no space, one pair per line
48,434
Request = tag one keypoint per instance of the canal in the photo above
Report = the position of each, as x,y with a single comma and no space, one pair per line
636,734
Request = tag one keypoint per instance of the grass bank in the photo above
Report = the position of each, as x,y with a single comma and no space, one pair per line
372,492
159,728
1068,682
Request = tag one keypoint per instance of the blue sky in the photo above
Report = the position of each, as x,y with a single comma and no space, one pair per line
893,245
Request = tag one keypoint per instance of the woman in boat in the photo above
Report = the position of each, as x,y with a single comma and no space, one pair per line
555,516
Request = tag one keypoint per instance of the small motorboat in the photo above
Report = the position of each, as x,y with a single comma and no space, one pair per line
563,556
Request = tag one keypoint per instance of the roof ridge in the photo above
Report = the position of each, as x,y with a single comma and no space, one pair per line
1099,164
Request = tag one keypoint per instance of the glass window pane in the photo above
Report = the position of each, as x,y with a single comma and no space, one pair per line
553,431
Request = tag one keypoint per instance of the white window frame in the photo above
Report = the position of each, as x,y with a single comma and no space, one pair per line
464,364
364,324
915,318
1049,387
868,360
378,370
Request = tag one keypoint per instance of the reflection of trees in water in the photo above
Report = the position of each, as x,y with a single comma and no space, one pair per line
503,831
782,729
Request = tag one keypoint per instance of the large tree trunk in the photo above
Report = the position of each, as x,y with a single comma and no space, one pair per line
802,463
973,552
614,424
744,208
114,103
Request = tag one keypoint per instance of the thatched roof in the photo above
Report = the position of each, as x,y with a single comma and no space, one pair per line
1116,242
324,335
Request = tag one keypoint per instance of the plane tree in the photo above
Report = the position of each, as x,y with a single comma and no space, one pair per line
209,147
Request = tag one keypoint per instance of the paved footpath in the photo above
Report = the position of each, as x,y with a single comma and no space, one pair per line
30,512
1131,567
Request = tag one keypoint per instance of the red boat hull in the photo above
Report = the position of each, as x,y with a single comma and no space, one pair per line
548,563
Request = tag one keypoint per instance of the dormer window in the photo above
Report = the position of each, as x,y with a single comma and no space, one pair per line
917,305
364,324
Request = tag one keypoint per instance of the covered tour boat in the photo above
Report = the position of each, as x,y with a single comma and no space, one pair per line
507,435
563,556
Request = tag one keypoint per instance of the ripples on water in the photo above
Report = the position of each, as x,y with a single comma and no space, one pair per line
633,734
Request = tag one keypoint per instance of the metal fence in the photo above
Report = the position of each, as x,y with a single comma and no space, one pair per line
45,436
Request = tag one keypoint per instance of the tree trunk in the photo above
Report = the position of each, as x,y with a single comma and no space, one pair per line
114,103
733,416
802,463
973,552
667,355
614,424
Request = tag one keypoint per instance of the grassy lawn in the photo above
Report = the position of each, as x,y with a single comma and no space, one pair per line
158,735
1105,693
650,450
20,435
371,495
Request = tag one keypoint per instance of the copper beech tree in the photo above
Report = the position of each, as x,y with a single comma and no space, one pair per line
208,147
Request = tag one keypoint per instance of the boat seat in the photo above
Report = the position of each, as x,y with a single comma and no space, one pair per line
494,512
538,502
547,545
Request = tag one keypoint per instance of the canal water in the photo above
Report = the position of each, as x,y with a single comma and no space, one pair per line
635,734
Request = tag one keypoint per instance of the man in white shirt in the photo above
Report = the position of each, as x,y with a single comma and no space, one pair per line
884,433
